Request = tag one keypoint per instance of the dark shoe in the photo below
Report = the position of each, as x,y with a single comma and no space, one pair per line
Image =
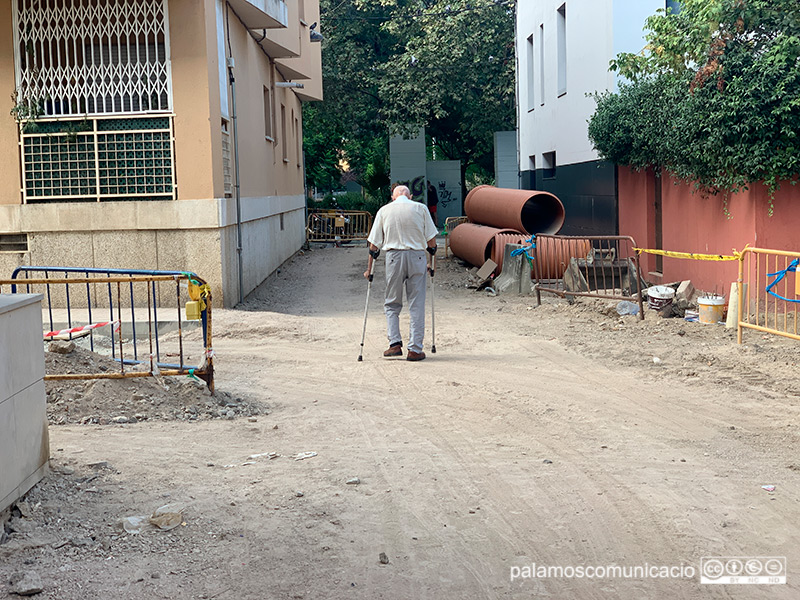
415,355
395,349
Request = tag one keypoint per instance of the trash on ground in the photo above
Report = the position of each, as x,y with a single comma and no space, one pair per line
167,517
269,455
353,481
626,307
134,525
768,488
304,455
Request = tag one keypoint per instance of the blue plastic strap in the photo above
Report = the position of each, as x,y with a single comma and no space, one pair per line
779,275
525,250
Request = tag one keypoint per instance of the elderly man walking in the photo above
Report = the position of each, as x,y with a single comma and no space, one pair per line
405,231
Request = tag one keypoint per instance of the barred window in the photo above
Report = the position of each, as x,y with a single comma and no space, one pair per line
99,160
92,57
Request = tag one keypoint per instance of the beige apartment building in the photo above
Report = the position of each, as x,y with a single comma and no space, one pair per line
127,122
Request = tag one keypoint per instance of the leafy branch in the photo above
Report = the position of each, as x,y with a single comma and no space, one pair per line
714,97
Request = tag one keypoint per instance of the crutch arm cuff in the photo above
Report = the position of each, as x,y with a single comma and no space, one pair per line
432,249
375,253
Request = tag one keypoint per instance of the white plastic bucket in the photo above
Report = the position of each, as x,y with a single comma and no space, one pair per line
711,309
659,296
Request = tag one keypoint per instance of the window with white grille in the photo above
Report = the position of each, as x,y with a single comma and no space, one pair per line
92,57
99,159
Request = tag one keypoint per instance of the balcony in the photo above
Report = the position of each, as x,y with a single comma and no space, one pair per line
261,14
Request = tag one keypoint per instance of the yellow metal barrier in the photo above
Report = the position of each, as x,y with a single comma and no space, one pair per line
338,225
450,224
769,292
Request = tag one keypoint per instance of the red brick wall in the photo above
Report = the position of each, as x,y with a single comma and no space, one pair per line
693,223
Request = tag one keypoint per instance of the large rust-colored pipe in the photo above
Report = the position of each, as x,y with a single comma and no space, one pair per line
521,210
473,243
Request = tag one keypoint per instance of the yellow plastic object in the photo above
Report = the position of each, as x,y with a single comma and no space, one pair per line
193,310
194,291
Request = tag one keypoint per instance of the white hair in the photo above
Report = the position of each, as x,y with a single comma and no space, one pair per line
401,190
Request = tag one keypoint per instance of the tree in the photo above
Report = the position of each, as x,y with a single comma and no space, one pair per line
347,125
392,66
714,98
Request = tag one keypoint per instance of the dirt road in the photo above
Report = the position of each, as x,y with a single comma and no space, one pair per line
535,436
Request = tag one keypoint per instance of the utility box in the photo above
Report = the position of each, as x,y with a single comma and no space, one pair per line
24,439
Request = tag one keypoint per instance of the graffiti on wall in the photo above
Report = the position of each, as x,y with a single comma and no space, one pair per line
445,195
417,187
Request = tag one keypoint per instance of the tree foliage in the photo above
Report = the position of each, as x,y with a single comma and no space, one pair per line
391,66
714,97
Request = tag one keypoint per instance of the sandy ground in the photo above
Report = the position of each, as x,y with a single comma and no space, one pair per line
535,435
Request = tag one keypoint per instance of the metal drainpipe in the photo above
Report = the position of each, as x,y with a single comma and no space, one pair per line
237,190
306,245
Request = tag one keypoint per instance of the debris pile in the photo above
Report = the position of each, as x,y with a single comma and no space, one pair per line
119,401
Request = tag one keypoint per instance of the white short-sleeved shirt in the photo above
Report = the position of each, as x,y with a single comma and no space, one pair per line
402,225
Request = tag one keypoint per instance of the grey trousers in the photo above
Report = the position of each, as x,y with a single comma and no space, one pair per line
406,268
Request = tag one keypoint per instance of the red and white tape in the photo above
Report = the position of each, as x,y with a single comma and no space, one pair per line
115,324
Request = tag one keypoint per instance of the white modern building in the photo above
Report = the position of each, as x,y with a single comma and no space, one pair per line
563,55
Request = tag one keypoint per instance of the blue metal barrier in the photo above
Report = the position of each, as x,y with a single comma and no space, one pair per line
94,276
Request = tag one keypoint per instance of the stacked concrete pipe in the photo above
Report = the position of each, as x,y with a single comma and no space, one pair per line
474,243
527,211
504,213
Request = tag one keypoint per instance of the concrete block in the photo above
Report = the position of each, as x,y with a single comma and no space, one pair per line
30,414
9,463
21,363
685,291
516,275
24,446
487,269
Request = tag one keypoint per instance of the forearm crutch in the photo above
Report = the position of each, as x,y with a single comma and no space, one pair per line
433,312
374,256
